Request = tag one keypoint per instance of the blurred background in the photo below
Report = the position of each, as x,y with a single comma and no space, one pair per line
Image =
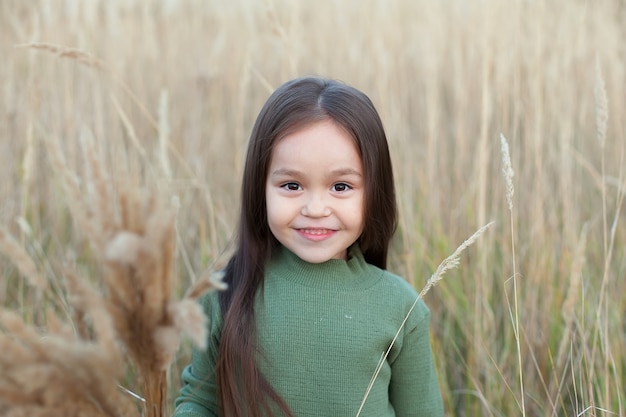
532,322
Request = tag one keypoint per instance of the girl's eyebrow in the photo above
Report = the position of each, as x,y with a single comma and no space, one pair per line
287,172
345,171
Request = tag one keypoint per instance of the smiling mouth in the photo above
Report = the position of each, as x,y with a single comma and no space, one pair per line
316,234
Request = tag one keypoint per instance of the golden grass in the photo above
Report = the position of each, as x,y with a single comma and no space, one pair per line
170,103
447,264
131,322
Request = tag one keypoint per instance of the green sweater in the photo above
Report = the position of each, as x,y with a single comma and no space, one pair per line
322,330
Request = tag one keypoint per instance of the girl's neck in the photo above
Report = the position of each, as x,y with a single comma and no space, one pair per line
334,274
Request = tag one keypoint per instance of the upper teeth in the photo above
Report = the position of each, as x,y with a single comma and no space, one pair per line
315,231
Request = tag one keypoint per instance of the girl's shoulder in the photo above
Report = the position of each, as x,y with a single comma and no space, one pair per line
402,294
209,299
211,306
395,283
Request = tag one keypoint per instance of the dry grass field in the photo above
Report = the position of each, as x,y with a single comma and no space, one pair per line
124,122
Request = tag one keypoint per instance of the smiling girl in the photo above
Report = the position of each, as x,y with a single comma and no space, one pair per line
310,307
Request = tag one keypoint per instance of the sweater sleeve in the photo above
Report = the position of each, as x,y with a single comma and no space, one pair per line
414,387
198,395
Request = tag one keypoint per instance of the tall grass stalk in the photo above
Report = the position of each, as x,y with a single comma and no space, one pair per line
450,262
608,238
507,170
445,77
132,236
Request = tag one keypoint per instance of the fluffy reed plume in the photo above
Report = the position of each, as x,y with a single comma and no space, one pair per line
132,234
450,262
138,258
136,246
134,321
138,262
507,170
59,373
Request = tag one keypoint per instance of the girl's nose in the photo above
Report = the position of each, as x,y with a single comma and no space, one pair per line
316,206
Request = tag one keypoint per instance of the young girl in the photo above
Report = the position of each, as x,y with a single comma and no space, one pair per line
310,308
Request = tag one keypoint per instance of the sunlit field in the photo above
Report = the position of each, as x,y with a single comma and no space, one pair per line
106,104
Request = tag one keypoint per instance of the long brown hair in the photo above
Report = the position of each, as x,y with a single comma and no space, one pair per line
298,103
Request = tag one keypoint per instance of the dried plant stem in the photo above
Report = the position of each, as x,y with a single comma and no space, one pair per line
450,262
507,170
155,395
572,294
601,128
515,318
602,112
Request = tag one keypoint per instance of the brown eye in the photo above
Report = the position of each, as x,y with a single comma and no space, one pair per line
341,187
291,186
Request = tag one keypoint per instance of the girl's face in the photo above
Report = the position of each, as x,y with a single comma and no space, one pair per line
315,192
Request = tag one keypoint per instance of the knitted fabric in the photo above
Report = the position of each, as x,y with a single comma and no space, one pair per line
322,330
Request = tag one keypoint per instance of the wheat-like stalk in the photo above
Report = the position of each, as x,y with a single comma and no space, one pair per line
450,262
66,52
132,233
57,373
138,262
608,234
602,106
507,171
164,134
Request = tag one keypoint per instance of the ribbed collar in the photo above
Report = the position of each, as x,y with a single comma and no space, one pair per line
334,274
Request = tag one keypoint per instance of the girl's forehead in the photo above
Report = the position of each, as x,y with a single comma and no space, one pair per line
316,126
320,144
